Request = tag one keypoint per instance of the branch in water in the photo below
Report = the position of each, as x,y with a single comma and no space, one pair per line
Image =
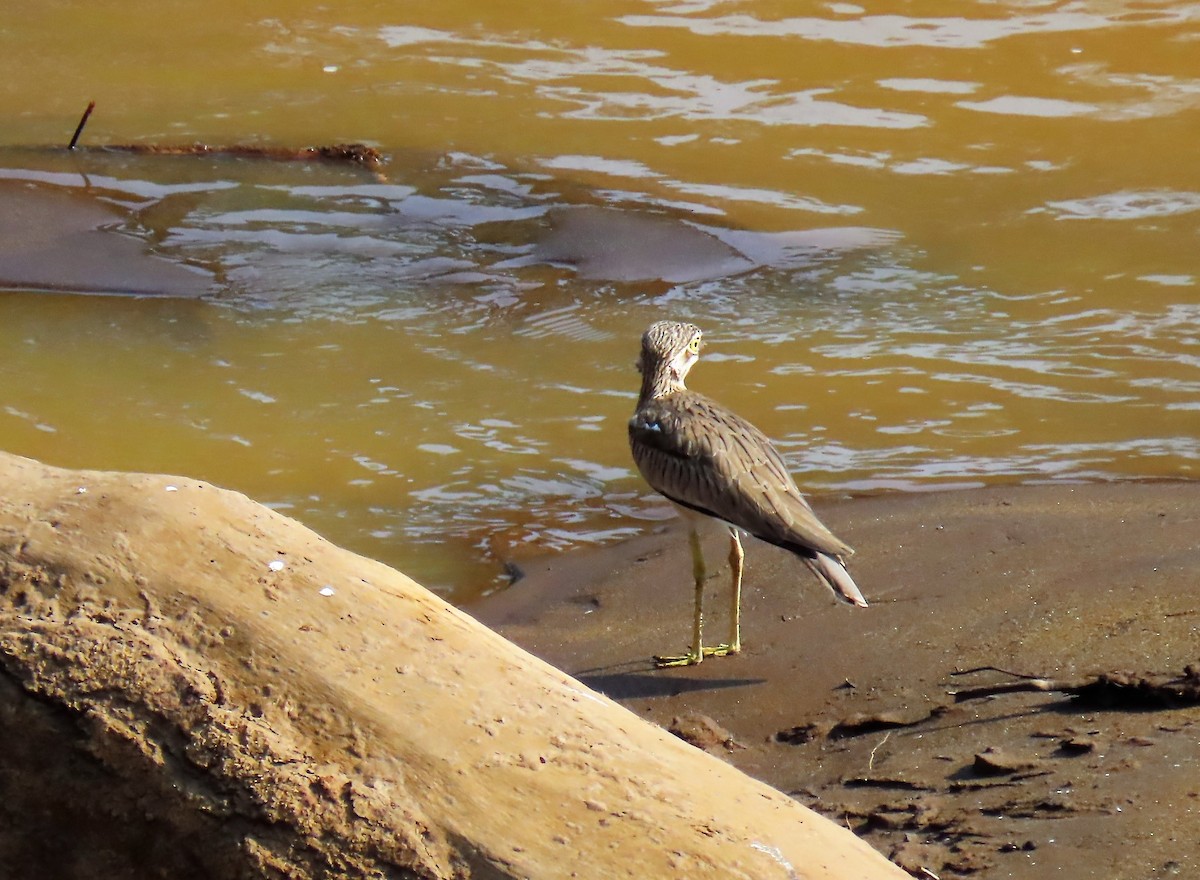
358,154
82,122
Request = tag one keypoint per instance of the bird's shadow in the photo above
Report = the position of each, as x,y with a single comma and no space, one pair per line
619,684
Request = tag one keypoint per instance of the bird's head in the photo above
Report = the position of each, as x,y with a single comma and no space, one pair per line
669,349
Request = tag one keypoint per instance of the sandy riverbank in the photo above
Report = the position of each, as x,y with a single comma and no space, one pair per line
851,711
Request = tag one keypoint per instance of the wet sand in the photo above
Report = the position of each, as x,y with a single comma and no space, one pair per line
852,711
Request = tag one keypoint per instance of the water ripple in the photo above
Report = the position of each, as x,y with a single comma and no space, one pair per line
570,75
1125,205
899,30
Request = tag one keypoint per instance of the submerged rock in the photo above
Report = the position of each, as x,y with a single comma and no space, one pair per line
61,240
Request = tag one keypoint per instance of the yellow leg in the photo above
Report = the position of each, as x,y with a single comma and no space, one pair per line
736,555
734,645
696,654
698,651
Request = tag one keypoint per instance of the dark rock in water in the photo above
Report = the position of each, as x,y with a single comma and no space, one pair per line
61,240
605,243
619,245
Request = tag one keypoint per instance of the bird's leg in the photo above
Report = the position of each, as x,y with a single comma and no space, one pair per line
696,654
736,555
734,645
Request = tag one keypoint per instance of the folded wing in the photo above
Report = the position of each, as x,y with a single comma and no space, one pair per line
702,456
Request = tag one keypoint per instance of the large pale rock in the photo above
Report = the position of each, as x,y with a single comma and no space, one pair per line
194,686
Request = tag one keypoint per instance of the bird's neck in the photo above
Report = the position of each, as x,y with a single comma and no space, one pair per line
659,384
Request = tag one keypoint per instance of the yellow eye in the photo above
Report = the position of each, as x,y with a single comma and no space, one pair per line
694,345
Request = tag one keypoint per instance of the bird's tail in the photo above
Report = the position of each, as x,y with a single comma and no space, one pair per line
833,573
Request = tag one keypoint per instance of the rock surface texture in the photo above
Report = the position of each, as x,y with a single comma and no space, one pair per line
194,686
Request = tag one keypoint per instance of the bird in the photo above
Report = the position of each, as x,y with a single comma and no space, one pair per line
710,462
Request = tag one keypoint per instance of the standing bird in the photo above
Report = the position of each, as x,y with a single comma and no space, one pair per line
711,462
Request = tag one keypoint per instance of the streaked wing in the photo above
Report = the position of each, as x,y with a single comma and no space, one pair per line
701,455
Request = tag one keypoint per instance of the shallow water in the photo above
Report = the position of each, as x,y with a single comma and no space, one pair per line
934,245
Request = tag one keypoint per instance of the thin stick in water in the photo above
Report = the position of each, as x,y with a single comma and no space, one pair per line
82,122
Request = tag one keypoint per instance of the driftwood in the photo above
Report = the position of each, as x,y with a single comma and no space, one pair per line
1110,690
194,686
358,154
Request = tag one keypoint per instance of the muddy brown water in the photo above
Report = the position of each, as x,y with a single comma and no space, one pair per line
934,246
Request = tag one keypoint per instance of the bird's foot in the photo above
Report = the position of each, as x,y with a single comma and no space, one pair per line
691,658
722,650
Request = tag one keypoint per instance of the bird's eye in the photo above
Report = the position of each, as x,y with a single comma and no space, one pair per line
694,345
